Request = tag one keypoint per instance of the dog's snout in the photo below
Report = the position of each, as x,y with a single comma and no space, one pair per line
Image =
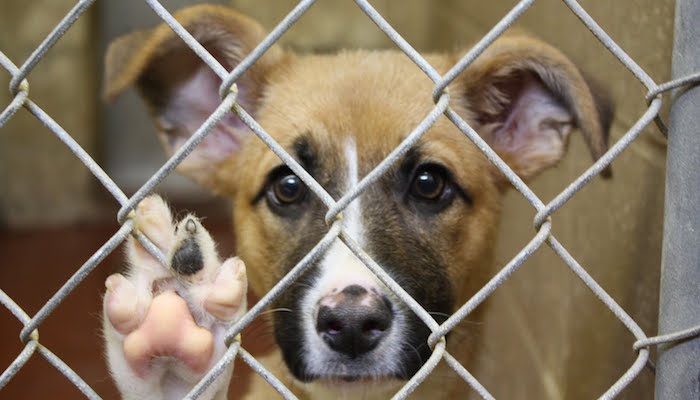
353,321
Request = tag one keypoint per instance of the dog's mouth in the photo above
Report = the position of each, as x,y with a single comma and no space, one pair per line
352,378
357,386
360,379
384,364
335,379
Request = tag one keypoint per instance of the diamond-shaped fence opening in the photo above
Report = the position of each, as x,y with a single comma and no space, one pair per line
543,221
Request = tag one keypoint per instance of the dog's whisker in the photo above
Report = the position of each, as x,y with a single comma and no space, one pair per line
415,350
440,314
274,310
259,329
470,322
303,285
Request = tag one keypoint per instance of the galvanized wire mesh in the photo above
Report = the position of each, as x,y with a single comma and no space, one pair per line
19,88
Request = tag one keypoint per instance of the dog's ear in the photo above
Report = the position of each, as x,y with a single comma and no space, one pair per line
181,91
525,97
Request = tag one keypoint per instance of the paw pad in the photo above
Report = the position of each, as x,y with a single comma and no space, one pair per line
169,330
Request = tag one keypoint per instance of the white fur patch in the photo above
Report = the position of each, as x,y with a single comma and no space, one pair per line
340,268
352,214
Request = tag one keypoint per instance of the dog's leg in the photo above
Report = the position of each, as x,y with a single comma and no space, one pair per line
164,326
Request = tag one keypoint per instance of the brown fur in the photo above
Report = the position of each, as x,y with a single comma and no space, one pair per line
378,97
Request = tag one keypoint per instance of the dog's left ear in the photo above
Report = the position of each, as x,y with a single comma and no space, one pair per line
525,97
181,91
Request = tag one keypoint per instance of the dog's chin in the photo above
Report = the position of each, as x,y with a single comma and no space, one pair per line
348,373
350,380
358,386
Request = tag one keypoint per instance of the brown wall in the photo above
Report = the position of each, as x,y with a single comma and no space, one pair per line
41,182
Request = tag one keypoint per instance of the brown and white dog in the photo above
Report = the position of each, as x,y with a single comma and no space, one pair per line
430,222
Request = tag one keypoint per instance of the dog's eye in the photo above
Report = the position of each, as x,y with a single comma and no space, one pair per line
429,182
288,189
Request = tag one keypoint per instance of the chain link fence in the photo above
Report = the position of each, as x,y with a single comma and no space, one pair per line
20,88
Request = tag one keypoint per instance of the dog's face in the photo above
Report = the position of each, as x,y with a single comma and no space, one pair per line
423,221
429,222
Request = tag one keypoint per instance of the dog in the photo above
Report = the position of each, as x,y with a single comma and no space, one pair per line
429,222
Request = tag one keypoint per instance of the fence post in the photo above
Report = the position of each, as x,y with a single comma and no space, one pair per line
678,370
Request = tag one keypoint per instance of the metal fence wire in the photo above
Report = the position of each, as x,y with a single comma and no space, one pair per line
19,88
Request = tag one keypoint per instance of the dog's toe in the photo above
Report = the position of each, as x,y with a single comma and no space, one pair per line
226,298
153,219
122,304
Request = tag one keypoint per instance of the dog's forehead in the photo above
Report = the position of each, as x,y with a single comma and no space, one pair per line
374,97
320,107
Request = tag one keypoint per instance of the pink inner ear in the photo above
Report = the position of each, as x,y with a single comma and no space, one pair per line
189,105
535,132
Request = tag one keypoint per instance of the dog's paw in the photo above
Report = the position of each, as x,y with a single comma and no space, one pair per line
164,326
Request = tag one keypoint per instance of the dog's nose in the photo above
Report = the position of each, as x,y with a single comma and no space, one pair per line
354,320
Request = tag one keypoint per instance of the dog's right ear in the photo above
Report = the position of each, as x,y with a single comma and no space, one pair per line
525,98
181,91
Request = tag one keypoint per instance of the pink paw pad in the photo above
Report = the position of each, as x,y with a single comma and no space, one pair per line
168,330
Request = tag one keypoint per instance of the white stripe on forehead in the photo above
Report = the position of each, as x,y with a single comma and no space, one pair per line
352,215
338,269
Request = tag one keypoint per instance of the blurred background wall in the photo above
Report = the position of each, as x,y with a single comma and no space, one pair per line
545,335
